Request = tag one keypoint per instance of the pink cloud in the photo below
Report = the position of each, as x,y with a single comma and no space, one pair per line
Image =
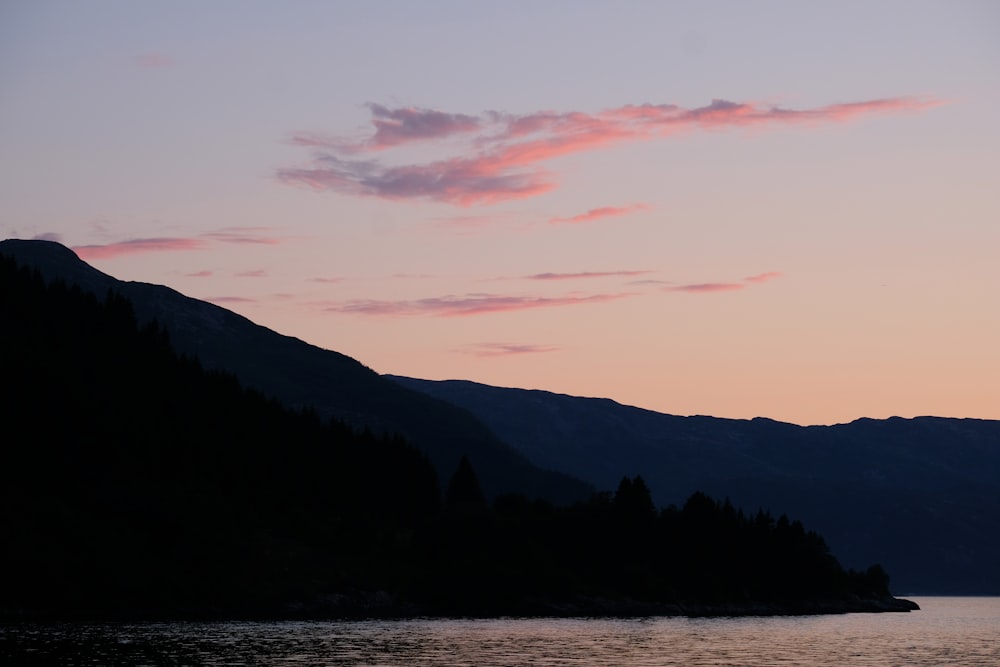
328,281
846,111
235,235
602,212
398,126
725,287
708,287
502,158
649,282
315,140
586,274
229,299
243,235
463,182
723,113
199,274
136,246
762,277
568,133
470,304
504,349
255,273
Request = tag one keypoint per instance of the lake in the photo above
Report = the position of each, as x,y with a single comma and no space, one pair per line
946,631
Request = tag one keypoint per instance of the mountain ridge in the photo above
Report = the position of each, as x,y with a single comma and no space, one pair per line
921,495
139,486
300,374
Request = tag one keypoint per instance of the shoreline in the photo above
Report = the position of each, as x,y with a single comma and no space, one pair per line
382,606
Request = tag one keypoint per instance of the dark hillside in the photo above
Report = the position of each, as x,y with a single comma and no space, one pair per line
300,375
134,485
921,496
134,482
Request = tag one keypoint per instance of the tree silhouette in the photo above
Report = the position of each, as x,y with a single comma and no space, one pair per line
633,502
464,494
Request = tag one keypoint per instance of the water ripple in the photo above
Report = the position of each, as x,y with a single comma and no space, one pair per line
947,631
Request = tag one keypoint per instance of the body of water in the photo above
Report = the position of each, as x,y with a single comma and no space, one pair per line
946,631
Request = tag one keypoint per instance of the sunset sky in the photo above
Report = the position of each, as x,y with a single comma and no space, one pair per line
739,209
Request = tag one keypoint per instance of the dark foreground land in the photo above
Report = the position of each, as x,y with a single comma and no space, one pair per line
382,605
136,485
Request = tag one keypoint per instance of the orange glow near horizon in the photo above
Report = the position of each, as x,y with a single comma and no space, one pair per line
685,209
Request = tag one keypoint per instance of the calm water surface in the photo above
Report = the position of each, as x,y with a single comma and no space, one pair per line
947,631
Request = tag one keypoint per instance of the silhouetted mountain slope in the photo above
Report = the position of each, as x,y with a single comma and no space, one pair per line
134,484
300,375
921,496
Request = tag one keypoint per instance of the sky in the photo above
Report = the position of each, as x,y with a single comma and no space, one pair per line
780,209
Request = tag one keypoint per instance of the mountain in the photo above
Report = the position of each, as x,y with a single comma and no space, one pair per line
138,486
134,483
299,374
921,496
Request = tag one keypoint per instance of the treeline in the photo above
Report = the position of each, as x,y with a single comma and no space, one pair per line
135,483
618,552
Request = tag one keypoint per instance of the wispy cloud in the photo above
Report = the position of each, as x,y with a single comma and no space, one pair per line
504,349
399,126
469,304
649,281
229,299
136,246
244,235
393,127
586,274
461,181
762,277
317,140
255,273
502,153
231,235
325,280
725,287
708,287
602,212
200,274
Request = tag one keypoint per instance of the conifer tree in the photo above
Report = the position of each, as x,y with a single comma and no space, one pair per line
464,493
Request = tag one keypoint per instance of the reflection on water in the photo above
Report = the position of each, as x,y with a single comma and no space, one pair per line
947,631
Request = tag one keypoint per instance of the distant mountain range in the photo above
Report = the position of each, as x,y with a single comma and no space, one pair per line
300,374
137,485
921,496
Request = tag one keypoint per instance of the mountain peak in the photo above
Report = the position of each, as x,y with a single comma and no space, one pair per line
57,262
40,250
299,375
